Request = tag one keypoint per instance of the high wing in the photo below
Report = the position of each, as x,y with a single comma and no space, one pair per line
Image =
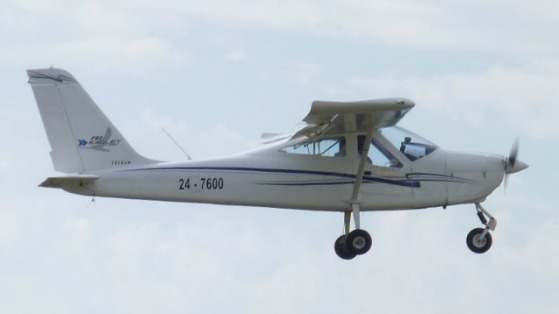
328,117
339,117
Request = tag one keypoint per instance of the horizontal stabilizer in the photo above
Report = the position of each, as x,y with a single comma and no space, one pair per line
71,181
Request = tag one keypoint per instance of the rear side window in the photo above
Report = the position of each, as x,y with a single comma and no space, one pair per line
327,147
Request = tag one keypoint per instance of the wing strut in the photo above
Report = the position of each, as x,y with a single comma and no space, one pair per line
359,179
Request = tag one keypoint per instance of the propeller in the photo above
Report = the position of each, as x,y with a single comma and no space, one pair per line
512,164
511,160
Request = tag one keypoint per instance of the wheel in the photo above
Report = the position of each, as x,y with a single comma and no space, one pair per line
359,241
341,248
476,244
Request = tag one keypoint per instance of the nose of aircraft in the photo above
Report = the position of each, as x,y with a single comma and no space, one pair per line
512,164
515,167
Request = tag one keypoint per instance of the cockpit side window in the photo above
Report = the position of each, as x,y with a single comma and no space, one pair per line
378,155
327,147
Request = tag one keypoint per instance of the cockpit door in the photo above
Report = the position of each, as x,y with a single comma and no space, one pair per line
384,179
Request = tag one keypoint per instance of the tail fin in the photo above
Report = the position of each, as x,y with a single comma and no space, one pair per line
81,137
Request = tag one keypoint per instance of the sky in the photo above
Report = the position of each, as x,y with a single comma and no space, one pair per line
216,74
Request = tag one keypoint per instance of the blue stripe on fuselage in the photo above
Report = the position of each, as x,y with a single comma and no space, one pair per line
366,179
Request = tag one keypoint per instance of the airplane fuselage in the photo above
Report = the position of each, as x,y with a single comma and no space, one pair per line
272,177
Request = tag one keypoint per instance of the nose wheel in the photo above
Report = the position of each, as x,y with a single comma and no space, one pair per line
479,240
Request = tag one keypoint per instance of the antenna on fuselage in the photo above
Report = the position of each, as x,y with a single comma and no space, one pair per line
91,202
172,139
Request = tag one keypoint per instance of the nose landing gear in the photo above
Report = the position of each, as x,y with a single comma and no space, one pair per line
479,239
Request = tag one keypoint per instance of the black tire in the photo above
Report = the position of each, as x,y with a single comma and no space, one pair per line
359,241
341,248
475,244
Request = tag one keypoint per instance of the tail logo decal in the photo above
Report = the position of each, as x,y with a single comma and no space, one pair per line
100,143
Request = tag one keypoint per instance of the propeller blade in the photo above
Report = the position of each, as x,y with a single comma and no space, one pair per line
511,160
506,182
513,154
512,164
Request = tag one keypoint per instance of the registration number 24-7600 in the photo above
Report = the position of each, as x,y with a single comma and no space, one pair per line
201,184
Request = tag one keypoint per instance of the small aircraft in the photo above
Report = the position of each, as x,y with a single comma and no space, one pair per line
350,157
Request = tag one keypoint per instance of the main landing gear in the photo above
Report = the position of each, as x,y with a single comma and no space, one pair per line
479,239
356,242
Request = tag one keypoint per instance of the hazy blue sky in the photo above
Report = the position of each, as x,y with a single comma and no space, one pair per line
215,74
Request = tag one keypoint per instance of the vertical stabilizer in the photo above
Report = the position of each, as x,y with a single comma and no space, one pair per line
81,137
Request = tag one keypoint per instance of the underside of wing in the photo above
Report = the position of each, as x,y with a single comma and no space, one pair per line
328,117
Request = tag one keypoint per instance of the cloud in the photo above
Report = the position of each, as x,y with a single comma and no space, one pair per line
154,122
4,161
10,227
213,139
236,55
302,73
131,56
221,140
426,25
75,240
110,35
116,34
523,98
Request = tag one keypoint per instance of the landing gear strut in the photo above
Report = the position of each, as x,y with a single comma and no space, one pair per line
479,239
356,242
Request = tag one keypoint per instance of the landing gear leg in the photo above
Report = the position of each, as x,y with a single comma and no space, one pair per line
340,245
479,239
356,242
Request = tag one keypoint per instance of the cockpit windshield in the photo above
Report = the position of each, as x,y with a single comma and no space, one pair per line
410,144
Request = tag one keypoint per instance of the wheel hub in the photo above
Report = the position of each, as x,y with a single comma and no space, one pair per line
359,243
478,241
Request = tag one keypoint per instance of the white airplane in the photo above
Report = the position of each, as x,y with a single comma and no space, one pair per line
350,157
